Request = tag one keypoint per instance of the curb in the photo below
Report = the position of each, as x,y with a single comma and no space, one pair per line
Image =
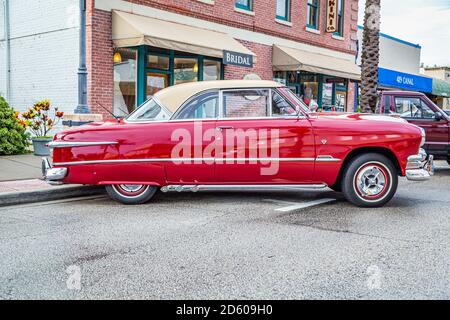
57,193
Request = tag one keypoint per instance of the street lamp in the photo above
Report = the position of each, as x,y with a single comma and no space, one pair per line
82,107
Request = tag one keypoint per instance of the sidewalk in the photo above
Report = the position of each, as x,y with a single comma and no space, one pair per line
22,167
20,183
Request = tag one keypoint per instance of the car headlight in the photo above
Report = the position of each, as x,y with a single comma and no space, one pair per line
423,137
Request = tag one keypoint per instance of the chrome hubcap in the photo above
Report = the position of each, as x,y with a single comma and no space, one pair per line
371,181
130,187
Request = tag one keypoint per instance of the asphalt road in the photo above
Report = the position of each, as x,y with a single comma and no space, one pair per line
231,246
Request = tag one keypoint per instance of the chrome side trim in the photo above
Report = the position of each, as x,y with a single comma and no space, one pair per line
327,159
70,144
285,187
191,160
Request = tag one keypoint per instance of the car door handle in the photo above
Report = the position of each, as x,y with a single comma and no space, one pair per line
225,128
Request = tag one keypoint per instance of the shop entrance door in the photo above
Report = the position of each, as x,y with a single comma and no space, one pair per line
156,82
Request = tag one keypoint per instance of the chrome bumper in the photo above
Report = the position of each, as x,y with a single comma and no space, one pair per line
53,176
420,167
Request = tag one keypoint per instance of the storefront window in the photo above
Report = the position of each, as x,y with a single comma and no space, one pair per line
341,96
156,82
158,62
185,70
310,90
211,70
319,92
125,75
327,97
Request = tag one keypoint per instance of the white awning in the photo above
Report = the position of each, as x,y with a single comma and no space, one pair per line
289,59
133,30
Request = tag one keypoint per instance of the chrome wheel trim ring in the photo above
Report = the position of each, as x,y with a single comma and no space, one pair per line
130,191
368,186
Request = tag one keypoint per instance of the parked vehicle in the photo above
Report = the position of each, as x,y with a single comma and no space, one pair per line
230,135
418,109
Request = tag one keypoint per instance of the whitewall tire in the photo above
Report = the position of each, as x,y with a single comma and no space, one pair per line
131,194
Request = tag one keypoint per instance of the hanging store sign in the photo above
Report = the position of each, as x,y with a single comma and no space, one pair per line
237,59
332,15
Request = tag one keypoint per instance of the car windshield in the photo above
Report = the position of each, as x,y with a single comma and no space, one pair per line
294,99
149,111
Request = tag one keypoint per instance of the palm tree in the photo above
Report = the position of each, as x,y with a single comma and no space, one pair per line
370,56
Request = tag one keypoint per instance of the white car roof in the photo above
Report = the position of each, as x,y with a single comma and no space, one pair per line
173,97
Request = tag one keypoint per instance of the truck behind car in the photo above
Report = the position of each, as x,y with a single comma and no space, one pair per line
418,109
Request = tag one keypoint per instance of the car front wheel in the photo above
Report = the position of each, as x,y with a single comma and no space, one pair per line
131,193
370,180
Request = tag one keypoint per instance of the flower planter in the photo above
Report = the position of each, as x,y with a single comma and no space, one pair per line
40,146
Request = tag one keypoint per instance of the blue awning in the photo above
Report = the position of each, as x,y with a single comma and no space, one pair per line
404,81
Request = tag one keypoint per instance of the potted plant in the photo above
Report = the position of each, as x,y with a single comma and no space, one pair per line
41,121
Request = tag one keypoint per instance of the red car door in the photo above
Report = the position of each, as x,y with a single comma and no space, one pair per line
417,111
263,139
191,136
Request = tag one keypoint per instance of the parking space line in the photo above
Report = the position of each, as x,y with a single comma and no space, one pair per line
305,205
280,201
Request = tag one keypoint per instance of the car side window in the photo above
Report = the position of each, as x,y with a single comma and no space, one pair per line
204,106
413,108
387,104
280,107
247,103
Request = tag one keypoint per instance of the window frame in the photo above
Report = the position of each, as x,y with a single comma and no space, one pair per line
286,116
249,7
191,99
299,115
268,106
287,4
317,14
340,19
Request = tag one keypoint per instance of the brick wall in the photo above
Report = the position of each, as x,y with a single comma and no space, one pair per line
100,53
262,66
263,20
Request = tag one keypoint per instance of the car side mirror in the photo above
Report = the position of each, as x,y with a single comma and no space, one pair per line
438,116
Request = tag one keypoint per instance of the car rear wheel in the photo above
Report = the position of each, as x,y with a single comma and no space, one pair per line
131,193
370,180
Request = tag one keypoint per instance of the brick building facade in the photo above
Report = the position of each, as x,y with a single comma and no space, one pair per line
257,28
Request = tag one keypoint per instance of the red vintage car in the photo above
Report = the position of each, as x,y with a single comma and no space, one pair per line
230,135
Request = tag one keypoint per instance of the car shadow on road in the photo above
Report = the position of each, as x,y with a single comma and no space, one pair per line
240,197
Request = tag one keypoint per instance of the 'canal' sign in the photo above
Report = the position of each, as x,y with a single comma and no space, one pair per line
237,59
332,15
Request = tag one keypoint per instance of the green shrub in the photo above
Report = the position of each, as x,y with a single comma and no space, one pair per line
13,136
